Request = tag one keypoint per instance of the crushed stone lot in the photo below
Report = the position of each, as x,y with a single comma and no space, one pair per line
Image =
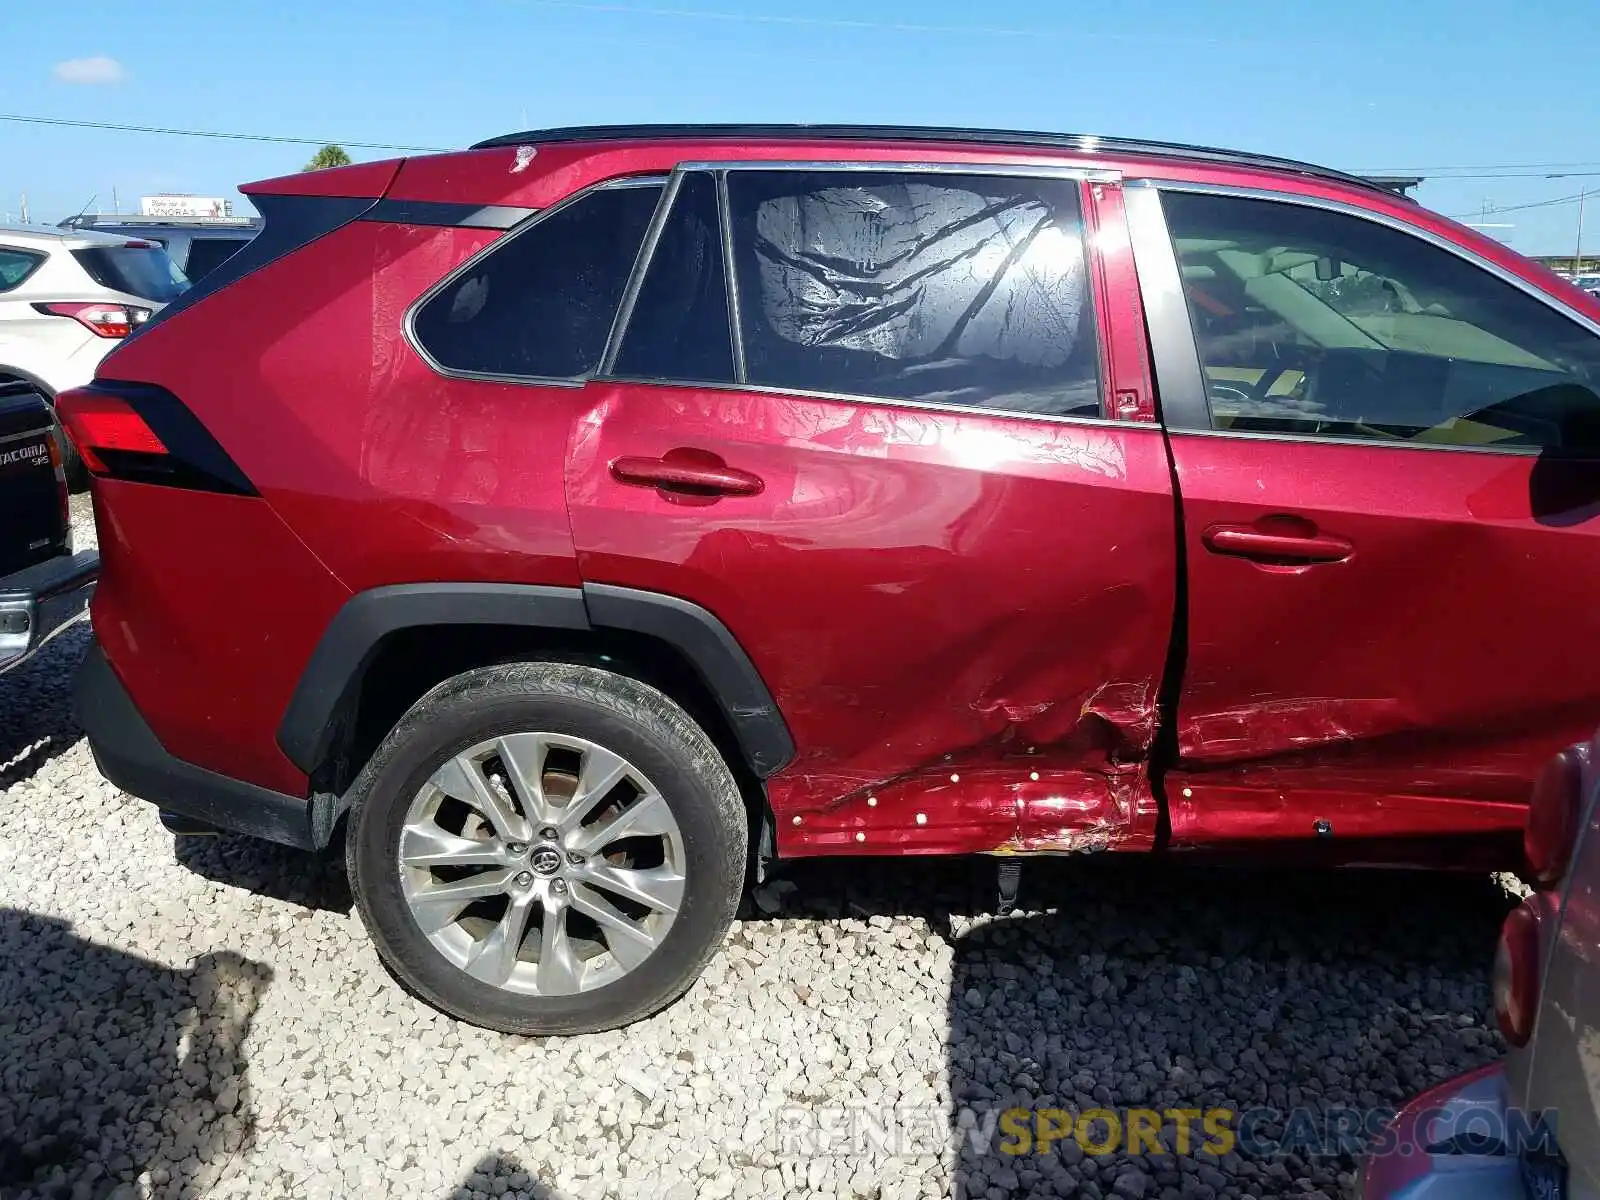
206,1018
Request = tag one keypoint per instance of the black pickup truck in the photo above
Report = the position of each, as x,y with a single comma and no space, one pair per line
44,586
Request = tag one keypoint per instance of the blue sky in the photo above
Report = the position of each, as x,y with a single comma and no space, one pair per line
1480,88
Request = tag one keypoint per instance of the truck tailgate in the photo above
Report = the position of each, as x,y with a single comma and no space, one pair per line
33,512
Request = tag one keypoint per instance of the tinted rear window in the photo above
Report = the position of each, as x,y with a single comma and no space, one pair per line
679,328
138,270
541,303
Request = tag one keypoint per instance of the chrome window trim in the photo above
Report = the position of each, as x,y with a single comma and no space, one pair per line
632,181
915,166
539,216
1146,183
878,401
1260,435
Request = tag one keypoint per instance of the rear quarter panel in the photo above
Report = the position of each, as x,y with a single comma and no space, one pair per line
389,472
372,470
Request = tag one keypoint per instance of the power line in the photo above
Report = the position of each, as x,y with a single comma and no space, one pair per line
1507,208
1012,31
1488,172
212,133
1436,178
1546,166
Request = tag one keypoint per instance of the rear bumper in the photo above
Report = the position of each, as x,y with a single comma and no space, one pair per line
130,755
39,602
1406,1171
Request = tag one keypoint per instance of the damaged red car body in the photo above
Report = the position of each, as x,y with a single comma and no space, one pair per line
1058,494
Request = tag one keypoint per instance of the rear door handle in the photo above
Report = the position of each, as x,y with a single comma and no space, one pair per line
1243,541
687,472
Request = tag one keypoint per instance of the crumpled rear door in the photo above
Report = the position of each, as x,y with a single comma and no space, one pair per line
962,609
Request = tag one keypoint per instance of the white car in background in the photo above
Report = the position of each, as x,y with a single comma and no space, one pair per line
67,297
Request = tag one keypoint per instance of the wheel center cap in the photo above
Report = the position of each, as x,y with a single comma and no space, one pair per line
546,860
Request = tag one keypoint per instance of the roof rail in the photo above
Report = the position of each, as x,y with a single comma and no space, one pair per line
92,220
1083,143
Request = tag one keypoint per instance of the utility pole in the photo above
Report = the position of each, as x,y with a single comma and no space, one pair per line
115,207
1577,255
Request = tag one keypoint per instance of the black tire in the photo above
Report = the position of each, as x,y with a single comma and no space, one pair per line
71,461
616,712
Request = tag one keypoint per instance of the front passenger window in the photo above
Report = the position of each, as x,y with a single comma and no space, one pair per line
1325,324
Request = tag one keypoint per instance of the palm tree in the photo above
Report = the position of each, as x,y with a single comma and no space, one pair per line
328,156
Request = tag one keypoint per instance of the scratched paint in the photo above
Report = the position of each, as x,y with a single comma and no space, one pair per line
1274,726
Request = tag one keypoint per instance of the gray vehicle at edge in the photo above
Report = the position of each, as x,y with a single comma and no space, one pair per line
1527,1127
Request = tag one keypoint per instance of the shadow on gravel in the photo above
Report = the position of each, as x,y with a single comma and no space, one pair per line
36,719
314,881
1170,986
515,1181
112,1065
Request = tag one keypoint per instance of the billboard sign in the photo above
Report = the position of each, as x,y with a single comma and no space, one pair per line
184,206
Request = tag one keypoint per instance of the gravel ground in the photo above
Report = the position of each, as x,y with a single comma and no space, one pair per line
207,1019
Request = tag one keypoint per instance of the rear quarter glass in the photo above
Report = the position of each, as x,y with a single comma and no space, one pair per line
139,270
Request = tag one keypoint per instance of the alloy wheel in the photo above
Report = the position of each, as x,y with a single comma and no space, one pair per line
542,863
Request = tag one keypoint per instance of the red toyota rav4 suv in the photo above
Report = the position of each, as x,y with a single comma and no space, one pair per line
587,515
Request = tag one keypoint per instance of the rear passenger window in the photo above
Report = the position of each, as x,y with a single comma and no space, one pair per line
678,329
15,266
955,290
1324,324
541,304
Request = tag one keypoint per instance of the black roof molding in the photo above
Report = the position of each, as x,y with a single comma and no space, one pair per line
1078,142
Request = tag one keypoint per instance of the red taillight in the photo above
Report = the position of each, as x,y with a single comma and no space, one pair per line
98,420
1516,973
1553,815
141,433
105,320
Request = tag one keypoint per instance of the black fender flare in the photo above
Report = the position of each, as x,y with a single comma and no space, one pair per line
347,647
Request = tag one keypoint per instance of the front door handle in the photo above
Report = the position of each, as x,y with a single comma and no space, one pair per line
687,472
1285,546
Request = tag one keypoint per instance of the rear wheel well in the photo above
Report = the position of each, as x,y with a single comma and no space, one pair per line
408,663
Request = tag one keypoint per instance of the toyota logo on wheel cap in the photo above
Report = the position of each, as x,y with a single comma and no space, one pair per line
546,860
